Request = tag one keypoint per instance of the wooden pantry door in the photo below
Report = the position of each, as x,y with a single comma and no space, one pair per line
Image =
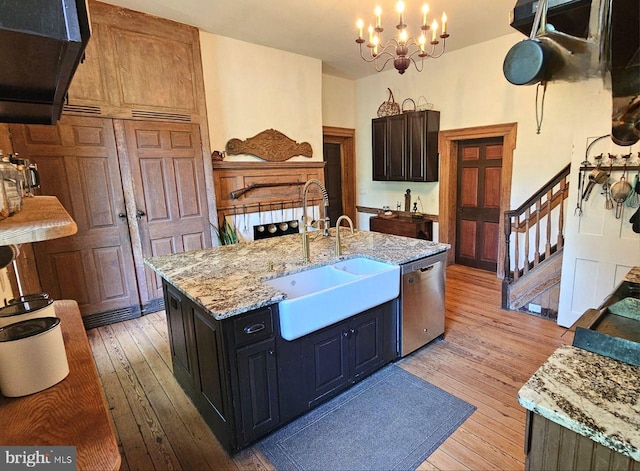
78,164
478,217
166,199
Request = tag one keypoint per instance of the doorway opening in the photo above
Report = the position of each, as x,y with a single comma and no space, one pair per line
340,171
448,143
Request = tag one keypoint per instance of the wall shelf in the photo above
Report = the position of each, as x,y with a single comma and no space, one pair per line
41,218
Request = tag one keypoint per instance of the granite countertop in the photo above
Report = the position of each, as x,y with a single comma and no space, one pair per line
227,280
593,395
633,276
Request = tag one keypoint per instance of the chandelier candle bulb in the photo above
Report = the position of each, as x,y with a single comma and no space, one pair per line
378,13
360,25
370,36
444,24
434,28
425,10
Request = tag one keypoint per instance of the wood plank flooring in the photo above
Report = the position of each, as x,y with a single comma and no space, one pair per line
486,356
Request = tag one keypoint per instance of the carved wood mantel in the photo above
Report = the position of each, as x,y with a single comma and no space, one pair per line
270,145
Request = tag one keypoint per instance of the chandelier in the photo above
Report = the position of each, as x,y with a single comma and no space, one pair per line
404,49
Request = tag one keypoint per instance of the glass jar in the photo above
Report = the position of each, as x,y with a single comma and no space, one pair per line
11,177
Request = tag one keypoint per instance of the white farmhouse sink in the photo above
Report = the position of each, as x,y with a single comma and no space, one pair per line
322,296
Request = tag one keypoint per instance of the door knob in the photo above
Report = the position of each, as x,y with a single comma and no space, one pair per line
122,215
140,213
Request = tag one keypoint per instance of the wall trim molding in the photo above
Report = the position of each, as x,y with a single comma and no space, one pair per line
448,145
346,137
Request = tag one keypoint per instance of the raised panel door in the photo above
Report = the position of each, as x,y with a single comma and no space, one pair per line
396,148
258,381
366,334
327,352
379,144
416,146
167,202
478,217
78,163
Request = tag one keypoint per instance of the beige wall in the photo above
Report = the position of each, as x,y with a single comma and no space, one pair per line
250,88
338,102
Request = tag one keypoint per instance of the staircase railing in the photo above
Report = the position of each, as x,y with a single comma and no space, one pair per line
523,224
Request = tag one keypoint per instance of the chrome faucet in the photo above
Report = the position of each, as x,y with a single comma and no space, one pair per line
340,219
325,200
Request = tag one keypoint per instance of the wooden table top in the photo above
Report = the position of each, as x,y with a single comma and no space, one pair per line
41,218
70,413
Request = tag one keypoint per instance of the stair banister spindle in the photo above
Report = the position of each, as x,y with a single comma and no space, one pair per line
536,255
527,220
516,249
547,247
508,274
560,242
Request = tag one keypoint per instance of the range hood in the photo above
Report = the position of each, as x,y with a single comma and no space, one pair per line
569,16
42,42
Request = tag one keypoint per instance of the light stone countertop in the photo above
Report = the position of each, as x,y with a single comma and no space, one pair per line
227,280
593,395
633,275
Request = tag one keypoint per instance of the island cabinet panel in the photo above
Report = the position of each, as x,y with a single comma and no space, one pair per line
180,324
258,381
213,398
246,380
314,368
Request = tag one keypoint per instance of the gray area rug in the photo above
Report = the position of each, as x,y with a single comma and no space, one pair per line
392,420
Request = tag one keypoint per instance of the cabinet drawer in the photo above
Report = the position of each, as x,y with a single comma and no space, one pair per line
253,327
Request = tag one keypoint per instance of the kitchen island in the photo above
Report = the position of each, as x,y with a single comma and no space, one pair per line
227,350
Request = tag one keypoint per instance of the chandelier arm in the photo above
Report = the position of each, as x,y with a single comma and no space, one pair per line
375,64
433,56
415,63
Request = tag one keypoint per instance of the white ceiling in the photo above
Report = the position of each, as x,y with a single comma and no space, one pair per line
325,29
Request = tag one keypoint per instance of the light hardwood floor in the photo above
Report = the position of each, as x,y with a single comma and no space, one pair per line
486,356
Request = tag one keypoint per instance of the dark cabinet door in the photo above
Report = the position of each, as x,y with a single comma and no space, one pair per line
180,323
212,398
405,147
396,148
366,335
327,352
257,373
379,148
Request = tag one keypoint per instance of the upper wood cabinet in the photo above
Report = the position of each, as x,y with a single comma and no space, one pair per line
139,66
405,147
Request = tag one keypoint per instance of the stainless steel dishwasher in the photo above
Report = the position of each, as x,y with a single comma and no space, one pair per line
422,307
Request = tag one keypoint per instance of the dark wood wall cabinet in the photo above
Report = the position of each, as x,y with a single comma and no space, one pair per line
405,147
246,380
403,226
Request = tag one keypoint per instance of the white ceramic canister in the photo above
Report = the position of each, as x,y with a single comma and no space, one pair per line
26,310
32,356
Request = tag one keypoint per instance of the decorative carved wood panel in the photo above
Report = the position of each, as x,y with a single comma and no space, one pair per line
270,145
78,164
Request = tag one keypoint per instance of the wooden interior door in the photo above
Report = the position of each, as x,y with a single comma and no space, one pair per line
478,218
333,179
78,163
166,199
